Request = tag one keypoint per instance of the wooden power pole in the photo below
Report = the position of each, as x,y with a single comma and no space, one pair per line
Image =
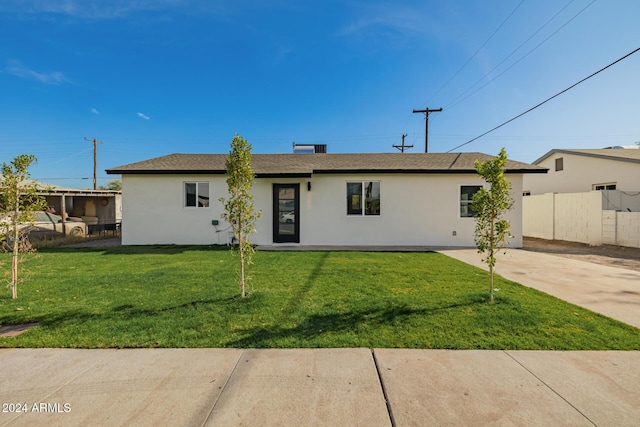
426,125
95,160
403,147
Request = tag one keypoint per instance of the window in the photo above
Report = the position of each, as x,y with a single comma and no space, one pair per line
466,197
363,198
196,194
526,193
559,164
599,187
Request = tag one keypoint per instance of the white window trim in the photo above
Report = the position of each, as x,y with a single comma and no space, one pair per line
603,184
184,194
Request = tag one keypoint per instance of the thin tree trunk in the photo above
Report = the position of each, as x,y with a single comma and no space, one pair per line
490,283
241,253
241,274
14,263
492,245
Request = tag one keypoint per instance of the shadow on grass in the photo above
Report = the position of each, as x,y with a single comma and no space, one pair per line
138,250
125,311
315,325
298,297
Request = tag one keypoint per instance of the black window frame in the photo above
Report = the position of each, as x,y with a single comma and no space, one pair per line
360,198
465,204
602,187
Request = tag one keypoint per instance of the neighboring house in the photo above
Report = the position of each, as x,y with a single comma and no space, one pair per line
590,196
314,199
576,171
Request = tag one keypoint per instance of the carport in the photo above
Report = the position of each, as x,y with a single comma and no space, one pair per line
101,210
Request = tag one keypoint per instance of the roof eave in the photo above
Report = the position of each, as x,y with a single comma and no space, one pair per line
318,172
285,175
579,153
165,172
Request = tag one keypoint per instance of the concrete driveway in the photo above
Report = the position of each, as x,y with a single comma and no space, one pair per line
612,291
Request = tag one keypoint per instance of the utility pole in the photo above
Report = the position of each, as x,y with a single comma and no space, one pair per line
426,126
95,159
403,147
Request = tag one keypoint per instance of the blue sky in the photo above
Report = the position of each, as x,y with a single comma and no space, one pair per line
154,77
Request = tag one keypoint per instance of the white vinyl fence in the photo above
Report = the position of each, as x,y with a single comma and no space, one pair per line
597,217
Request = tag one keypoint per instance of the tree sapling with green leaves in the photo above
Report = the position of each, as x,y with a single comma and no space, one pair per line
239,208
113,185
489,206
19,200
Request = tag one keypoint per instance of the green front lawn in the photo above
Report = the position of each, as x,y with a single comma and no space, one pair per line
177,296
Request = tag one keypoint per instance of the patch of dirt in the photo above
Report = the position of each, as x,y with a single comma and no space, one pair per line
15,330
614,256
97,243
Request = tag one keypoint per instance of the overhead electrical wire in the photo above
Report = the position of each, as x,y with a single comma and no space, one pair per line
477,51
546,100
470,58
460,97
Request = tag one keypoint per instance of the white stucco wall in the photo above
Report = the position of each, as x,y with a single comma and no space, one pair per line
415,210
153,210
538,216
580,173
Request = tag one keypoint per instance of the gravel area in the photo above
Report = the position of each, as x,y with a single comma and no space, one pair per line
614,256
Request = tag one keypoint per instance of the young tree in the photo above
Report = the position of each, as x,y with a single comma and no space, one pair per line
113,185
18,202
239,209
489,206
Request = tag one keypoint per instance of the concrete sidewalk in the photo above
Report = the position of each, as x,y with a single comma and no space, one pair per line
612,291
317,387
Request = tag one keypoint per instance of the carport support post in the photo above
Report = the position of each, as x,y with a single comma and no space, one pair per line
63,212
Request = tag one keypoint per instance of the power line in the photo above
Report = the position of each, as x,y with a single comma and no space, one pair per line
546,100
461,97
469,60
477,51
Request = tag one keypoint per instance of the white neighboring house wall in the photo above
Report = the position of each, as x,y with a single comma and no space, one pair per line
416,210
580,173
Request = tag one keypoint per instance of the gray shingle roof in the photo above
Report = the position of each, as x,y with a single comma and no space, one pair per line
307,164
619,154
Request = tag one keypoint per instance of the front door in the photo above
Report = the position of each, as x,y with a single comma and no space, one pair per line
286,213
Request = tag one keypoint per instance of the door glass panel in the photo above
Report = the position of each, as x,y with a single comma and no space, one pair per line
286,211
